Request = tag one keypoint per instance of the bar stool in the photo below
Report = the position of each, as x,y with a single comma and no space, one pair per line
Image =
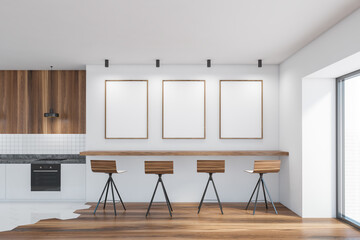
109,167
262,167
159,168
210,167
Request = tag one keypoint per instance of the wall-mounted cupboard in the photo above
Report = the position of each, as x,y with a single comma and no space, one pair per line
126,109
26,95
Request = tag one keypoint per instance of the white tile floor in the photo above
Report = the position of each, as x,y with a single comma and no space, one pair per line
14,214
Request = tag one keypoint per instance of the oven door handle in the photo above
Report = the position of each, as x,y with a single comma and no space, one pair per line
45,171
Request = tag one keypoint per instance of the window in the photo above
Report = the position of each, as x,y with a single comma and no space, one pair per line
348,148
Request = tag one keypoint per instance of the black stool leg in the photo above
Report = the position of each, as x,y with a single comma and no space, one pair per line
202,199
113,198
166,195
152,198
107,190
269,196
257,194
167,200
106,184
118,194
252,194
262,181
217,196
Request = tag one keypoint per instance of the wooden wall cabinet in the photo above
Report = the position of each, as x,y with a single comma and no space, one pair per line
26,95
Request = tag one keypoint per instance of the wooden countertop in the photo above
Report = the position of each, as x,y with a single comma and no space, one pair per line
186,153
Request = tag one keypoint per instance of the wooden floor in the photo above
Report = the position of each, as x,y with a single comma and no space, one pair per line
236,223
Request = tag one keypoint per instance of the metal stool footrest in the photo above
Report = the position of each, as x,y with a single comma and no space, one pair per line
265,191
166,196
110,183
217,196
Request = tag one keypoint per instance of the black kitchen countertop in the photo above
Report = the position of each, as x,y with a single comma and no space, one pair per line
42,158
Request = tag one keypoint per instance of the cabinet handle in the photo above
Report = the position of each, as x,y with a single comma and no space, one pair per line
45,171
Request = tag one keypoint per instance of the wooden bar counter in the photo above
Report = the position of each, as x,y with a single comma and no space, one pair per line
185,153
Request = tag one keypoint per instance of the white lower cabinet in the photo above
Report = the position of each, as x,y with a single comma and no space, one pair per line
73,181
2,181
18,183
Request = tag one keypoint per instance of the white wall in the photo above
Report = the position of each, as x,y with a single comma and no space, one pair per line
185,184
319,147
337,43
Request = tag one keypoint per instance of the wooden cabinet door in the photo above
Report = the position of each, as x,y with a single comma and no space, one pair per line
67,96
37,101
13,102
26,95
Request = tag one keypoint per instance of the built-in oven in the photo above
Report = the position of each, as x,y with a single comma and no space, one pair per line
45,177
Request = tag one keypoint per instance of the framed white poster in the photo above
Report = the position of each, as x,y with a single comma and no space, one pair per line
126,109
241,109
183,109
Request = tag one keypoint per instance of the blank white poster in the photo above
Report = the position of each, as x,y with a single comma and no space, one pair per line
126,110
241,109
184,109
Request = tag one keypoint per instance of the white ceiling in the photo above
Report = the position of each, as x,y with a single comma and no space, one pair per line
68,34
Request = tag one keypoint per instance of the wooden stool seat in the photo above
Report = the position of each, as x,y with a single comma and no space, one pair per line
108,167
159,168
266,166
210,167
105,166
262,167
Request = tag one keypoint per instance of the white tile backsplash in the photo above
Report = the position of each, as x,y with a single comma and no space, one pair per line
42,143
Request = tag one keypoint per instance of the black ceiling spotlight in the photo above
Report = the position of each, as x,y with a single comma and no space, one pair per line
51,113
157,63
208,63
106,63
260,63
